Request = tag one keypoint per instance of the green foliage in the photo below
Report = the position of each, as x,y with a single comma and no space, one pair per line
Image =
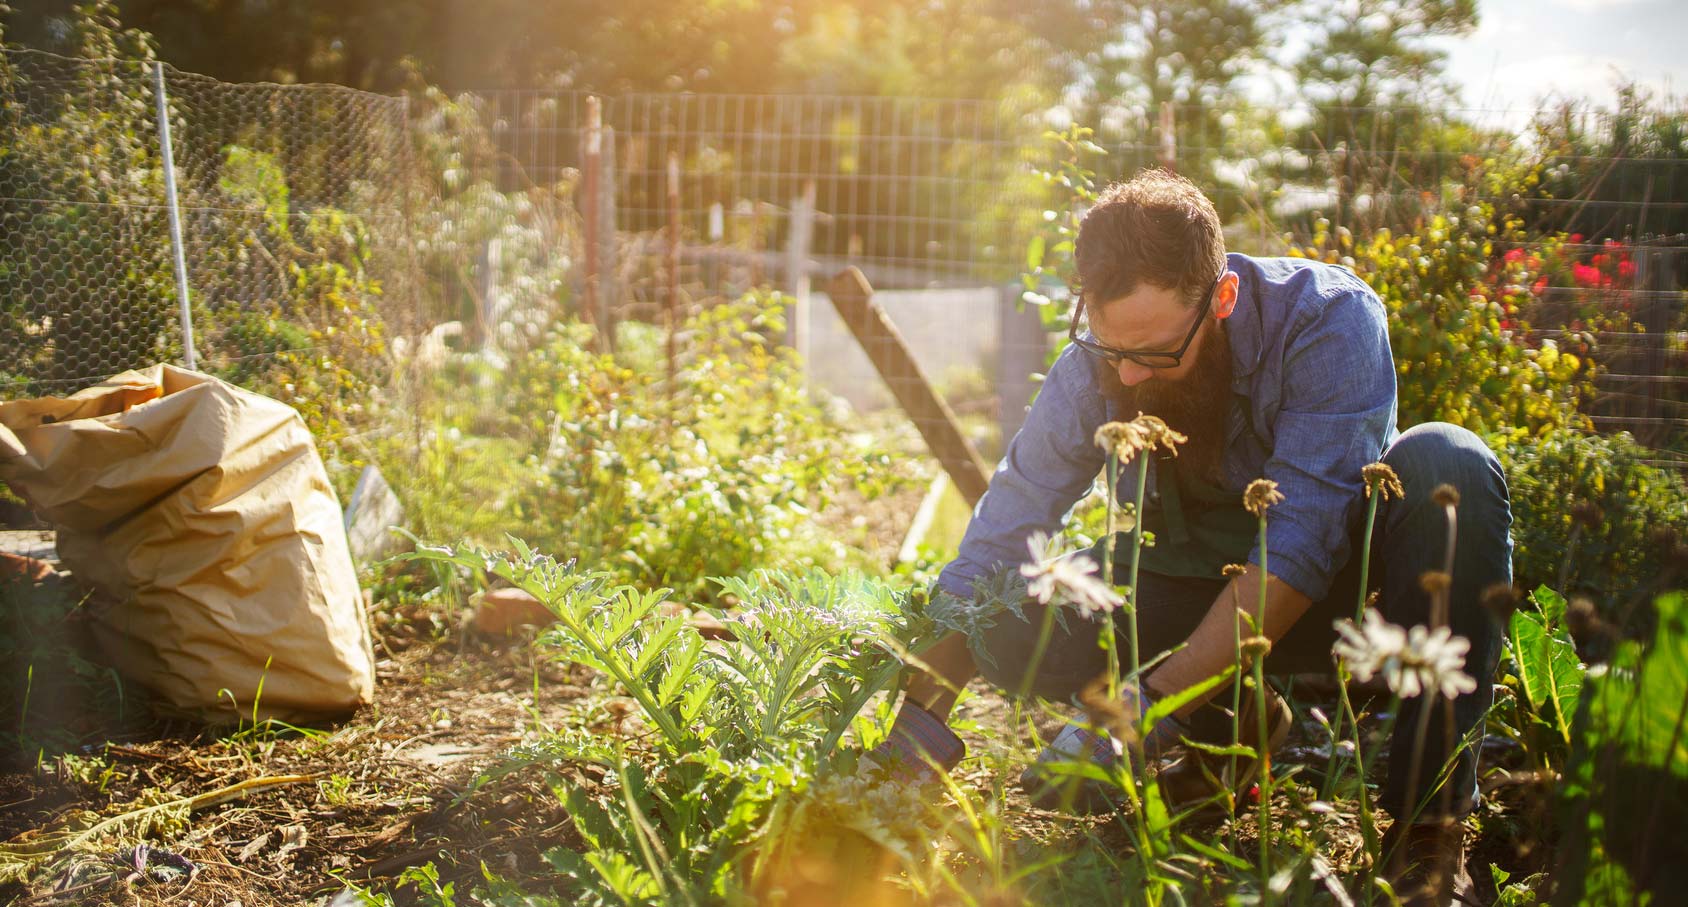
113,177
1607,159
52,697
1626,788
1455,360
1591,517
664,485
1545,675
746,735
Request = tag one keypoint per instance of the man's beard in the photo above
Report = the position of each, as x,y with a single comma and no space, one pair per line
1196,405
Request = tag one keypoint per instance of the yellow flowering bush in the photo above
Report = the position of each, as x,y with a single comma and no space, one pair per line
1456,305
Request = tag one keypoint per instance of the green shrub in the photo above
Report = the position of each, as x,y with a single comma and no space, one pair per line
1454,304
1588,516
663,485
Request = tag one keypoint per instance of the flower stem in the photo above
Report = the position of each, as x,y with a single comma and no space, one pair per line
1368,822
1265,753
1105,636
1136,557
1044,631
1365,553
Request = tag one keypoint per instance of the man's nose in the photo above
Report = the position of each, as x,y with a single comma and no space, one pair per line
1132,374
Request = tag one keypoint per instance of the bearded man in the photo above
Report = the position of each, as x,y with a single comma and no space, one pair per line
1273,368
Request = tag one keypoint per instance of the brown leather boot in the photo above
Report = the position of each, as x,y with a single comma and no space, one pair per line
1219,785
1425,863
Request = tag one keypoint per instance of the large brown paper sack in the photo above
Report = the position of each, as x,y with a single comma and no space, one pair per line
203,516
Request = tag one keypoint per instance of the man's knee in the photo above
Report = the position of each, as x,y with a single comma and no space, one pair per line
1438,452
1008,650
1432,454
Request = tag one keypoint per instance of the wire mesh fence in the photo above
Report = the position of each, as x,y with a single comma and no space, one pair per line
329,233
292,214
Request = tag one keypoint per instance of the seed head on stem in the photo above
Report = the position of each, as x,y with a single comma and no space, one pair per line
1381,477
1260,495
1145,433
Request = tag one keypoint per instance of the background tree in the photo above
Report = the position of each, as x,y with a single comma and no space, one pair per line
1381,127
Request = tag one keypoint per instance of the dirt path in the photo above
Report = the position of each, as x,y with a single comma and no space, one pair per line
387,790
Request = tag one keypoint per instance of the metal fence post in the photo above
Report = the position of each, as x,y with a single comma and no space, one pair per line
188,357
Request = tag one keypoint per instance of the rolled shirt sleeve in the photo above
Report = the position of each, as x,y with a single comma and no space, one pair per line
1049,466
1336,412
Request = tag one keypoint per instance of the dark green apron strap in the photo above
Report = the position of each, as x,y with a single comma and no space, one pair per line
1171,501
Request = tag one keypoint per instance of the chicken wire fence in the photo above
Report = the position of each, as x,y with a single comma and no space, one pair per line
337,228
291,212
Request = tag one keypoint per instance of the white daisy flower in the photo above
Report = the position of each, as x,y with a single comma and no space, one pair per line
1410,661
1054,576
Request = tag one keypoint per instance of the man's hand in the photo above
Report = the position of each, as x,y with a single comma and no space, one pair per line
1212,647
919,746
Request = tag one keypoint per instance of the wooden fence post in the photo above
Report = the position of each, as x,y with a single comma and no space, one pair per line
671,301
587,196
797,269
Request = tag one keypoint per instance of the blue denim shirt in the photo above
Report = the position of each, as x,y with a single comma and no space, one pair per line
1313,401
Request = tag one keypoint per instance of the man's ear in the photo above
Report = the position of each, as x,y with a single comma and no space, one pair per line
1225,297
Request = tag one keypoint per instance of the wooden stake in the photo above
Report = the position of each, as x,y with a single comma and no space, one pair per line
852,295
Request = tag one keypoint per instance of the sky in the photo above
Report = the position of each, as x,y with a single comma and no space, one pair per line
1523,50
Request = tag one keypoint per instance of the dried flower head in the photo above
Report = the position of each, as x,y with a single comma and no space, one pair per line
1234,569
1158,434
1583,620
1256,647
1410,661
1056,577
1381,477
1123,439
1445,495
1118,715
1261,494
1145,433
1501,599
1434,582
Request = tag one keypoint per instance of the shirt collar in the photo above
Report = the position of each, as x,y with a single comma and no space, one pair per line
1246,328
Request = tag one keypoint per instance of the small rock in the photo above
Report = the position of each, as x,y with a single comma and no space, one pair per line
501,611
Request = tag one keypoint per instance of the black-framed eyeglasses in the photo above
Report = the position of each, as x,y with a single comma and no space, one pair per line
1147,358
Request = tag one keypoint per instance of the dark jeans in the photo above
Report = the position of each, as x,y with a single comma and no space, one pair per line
1410,538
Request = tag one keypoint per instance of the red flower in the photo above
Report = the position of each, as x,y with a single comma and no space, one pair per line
1515,255
1585,275
1626,268
1540,286
1576,237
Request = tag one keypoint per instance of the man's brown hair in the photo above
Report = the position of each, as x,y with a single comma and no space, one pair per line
1155,228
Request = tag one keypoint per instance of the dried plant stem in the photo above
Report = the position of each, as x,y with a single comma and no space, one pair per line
1139,823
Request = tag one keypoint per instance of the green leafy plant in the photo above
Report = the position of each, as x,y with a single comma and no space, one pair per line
1626,784
1591,517
741,733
